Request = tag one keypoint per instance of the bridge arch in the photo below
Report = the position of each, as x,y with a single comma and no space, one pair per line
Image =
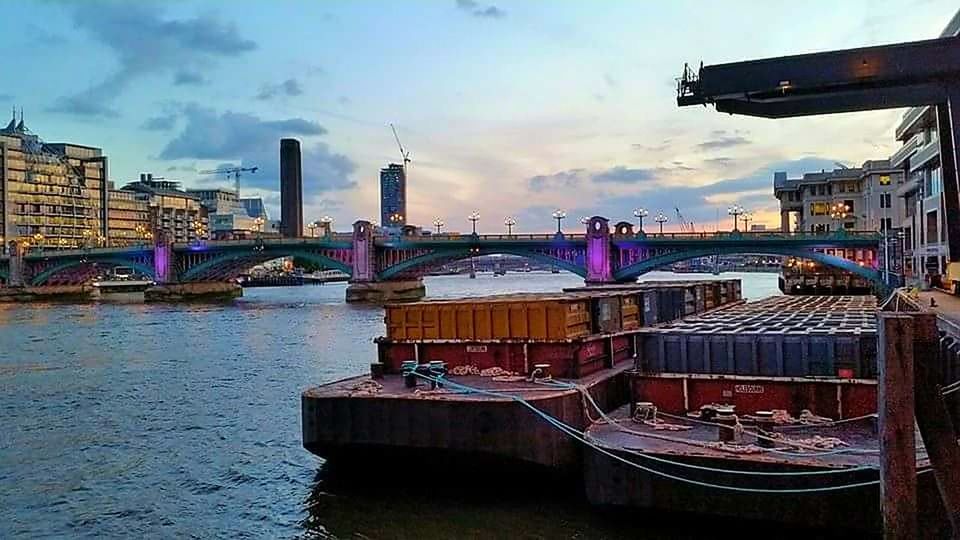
633,271
47,273
249,259
460,254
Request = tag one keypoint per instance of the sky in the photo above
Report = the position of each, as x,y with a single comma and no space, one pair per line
509,108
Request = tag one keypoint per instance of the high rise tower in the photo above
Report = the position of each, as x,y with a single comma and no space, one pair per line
393,196
291,189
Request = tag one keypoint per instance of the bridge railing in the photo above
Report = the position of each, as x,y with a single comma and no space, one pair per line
754,235
485,237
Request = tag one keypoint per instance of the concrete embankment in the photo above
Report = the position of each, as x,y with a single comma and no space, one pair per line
51,293
185,292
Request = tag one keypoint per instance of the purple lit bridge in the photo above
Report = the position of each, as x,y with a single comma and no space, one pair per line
601,254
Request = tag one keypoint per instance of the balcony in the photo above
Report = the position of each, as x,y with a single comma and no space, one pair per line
907,150
910,119
924,155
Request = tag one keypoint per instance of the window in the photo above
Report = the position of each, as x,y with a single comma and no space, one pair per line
932,234
886,224
849,204
885,200
884,179
819,209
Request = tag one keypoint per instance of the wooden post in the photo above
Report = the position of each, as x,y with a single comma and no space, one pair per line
898,477
936,428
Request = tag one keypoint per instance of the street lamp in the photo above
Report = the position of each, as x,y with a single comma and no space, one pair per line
327,223
736,211
839,212
510,222
87,234
747,218
313,229
640,213
474,218
259,224
395,219
901,236
559,215
438,224
661,219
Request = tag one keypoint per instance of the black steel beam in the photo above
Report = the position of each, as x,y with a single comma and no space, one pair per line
898,75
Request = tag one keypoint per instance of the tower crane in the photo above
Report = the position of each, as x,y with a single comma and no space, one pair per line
235,172
404,154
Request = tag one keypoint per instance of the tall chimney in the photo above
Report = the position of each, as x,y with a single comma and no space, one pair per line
291,189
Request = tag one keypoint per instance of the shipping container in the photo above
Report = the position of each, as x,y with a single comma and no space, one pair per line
630,316
530,317
605,313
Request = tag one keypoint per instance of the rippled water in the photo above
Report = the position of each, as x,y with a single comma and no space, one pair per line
130,420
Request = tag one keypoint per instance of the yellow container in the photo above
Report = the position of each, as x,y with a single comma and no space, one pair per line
533,317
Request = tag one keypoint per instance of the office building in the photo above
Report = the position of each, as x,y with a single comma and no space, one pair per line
849,198
175,214
393,196
921,197
291,189
53,195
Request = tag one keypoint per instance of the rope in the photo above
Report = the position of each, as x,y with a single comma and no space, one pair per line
950,389
579,436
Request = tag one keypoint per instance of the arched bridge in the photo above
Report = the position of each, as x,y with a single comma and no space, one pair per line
599,255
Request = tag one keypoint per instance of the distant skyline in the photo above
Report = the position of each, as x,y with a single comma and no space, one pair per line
507,107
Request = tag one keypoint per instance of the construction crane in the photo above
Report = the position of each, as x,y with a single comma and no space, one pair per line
236,172
404,154
685,226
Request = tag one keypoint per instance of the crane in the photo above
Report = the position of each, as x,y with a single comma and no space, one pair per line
685,226
404,154
235,171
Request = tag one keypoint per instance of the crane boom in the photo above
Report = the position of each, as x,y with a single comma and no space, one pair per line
404,154
235,171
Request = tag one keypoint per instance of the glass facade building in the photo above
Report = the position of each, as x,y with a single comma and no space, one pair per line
393,196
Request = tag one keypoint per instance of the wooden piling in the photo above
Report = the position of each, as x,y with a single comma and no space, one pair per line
936,428
895,408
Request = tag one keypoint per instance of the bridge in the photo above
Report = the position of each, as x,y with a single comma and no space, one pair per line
600,254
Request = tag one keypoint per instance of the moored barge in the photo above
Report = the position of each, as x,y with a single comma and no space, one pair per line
519,345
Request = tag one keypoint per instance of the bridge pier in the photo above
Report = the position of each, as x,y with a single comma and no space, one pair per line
379,292
201,291
599,252
364,286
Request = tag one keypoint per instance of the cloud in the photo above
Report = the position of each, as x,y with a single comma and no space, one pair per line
721,139
699,203
624,175
478,10
343,100
145,42
43,37
563,179
160,123
6,97
212,135
289,87
247,140
188,78
182,168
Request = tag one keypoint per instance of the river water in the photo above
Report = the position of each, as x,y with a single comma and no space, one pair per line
120,419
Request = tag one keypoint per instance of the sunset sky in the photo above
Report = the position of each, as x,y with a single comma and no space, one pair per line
508,108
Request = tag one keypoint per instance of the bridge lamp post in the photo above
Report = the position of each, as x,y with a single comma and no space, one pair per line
510,222
313,229
101,240
736,211
438,224
327,223
559,215
258,222
62,243
661,219
474,218
747,218
38,241
640,213
87,234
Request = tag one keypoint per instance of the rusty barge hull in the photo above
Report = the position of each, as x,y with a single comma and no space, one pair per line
608,481
399,422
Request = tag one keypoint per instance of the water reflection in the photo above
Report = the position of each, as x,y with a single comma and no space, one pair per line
127,420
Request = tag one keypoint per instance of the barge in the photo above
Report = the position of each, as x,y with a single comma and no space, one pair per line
516,345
